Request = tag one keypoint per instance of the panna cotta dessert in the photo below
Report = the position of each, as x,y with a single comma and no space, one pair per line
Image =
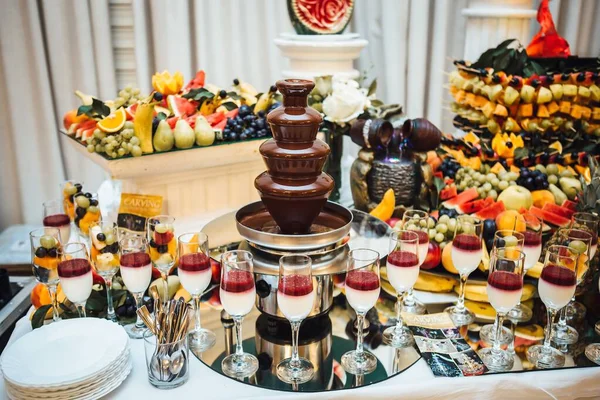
237,292
466,253
295,296
556,286
76,279
362,290
504,290
532,248
195,272
402,270
62,222
423,247
136,271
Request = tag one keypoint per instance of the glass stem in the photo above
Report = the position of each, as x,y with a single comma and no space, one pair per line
80,309
460,304
548,337
409,298
54,300
399,322
295,333
110,312
198,325
511,345
239,350
139,302
499,321
360,319
562,320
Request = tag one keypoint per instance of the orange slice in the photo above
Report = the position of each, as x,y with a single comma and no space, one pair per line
114,122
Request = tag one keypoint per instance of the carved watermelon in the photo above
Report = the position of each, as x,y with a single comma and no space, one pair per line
571,205
558,210
466,196
448,192
320,17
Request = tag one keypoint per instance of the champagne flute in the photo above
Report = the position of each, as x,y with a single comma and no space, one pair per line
54,216
532,247
45,243
136,271
556,286
503,238
104,252
75,272
580,243
466,255
402,272
295,298
504,289
589,222
69,189
418,221
163,247
238,294
195,273
362,292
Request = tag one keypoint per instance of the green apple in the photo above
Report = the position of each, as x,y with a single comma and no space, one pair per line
544,96
510,95
570,90
516,197
495,92
527,93
557,91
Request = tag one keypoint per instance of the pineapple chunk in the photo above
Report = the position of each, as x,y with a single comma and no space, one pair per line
488,109
586,112
544,95
527,93
552,107
565,107
510,95
584,92
557,91
525,110
570,90
542,111
501,111
595,92
495,92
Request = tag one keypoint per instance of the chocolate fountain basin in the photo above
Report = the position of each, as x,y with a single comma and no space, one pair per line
331,227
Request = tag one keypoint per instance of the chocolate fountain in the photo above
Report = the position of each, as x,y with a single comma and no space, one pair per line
294,215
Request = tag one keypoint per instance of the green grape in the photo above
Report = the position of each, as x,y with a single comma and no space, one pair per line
128,125
439,237
136,91
91,148
502,185
135,141
128,87
491,176
495,182
493,194
129,147
121,152
487,186
422,223
48,242
120,101
444,219
553,179
99,148
431,233
430,223
97,132
451,225
113,154
442,228
136,151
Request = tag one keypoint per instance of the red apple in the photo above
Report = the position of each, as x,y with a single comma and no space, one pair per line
434,256
393,221
97,279
216,271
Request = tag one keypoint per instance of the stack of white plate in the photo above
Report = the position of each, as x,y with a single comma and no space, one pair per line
83,358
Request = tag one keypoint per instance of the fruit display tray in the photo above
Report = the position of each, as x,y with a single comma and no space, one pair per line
176,160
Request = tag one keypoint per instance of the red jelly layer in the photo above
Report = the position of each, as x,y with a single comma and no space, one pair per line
135,260
295,285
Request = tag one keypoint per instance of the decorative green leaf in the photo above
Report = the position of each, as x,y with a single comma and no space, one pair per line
95,304
39,316
521,152
376,103
84,110
161,116
198,94
234,95
372,87
230,105
100,108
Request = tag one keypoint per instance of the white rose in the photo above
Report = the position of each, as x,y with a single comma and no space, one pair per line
323,85
346,102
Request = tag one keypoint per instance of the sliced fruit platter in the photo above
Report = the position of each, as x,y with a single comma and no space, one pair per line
171,117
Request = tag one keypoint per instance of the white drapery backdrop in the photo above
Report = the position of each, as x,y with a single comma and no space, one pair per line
49,48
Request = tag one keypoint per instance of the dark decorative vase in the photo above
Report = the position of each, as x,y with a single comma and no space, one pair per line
320,17
294,189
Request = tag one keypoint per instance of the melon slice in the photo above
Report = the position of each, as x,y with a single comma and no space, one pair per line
531,220
492,211
181,107
571,205
475,206
464,197
558,210
448,193
549,217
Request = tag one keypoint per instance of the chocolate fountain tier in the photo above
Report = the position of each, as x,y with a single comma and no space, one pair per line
330,228
294,160
294,203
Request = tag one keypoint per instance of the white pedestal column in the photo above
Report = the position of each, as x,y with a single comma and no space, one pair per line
319,56
489,22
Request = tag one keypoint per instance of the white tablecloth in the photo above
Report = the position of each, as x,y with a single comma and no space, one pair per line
415,383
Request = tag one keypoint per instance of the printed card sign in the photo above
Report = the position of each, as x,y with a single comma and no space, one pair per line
442,346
